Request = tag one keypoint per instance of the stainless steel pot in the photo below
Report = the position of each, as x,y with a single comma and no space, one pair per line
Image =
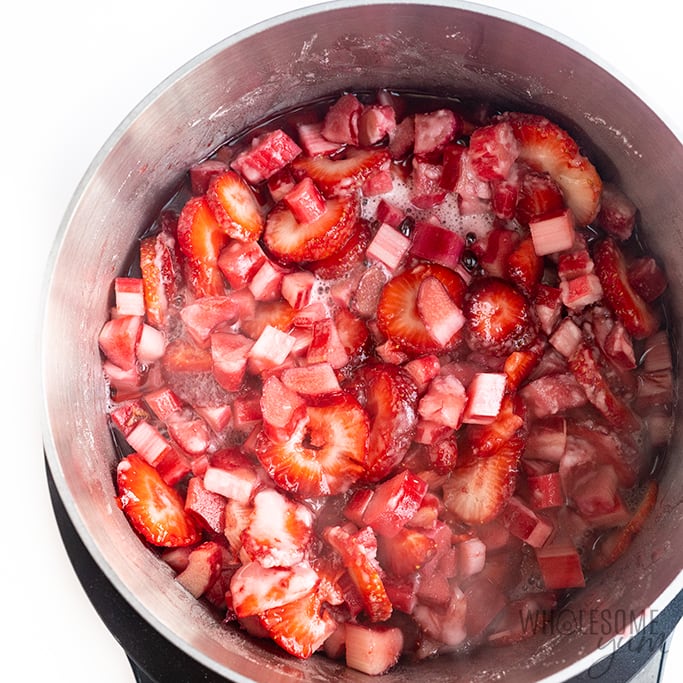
441,47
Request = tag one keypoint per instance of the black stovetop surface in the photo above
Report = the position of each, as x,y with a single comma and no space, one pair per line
155,660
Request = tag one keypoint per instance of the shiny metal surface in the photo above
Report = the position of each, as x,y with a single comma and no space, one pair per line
453,48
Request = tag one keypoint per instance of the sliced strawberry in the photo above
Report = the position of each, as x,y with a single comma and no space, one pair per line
398,317
390,398
610,266
483,440
255,588
235,207
616,543
158,268
201,239
406,552
498,317
359,555
292,242
478,491
154,508
300,627
279,531
539,195
341,176
324,456
342,261
586,369
525,267
547,147
277,314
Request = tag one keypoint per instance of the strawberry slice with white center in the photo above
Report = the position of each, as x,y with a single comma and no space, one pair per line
255,588
611,268
155,509
201,239
359,555
158,268
498,317
390,397
478,491
300,627
292,242
325,453
342,176
235,207
546,147
398,315
279,531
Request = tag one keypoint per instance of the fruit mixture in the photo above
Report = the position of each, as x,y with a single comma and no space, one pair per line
389,375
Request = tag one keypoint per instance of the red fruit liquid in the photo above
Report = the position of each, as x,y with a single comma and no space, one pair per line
454,402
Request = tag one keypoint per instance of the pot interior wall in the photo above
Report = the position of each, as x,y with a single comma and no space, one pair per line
462,51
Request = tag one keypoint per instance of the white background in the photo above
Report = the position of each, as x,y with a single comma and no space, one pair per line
71,71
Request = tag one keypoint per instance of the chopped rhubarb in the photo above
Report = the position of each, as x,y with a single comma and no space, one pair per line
441,316
484,397
268,154
560,565
525,524
270,350
388,246
437,244
296,288
203,568
372,650
129,296
312,380
553,234
148,442
305,201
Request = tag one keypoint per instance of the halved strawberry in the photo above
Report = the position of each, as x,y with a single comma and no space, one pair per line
154,508
324,456
292,242
398,317
341,176
610,265
498,317
390,397
478,490
235,207
547,147
300,627
201,240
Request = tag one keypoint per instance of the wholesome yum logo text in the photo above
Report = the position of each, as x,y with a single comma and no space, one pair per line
637,631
